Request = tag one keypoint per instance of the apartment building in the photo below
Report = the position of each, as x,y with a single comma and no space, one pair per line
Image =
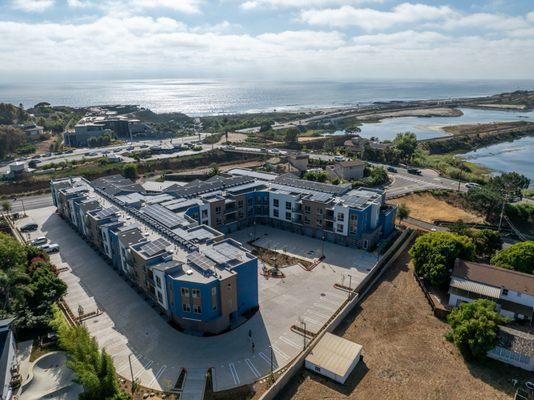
166,255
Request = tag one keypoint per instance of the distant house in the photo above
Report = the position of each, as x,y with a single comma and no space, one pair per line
515,348
8,363
512,291
346,170
356,144
33,130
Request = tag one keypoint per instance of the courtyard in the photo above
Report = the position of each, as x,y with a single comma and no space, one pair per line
128,327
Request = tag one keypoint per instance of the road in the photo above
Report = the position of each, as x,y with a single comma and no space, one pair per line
31,202
89,153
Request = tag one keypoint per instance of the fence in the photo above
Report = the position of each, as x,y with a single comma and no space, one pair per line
361,290
439,312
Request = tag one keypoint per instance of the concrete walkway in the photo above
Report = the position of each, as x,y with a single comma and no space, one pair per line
194,385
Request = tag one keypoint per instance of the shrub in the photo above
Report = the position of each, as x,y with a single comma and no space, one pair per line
475,327
434,254
519,257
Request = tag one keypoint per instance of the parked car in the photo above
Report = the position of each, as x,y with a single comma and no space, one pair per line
229,147
392,169
50,248
93,153
414,171
274,151
29,227
263,150
471,185
339,158
39,240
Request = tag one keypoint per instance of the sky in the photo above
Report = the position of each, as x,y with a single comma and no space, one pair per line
266,39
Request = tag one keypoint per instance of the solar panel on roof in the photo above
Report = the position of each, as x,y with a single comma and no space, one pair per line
153,248
201,261
215,256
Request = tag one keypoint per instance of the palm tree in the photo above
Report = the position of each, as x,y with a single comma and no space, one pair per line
6,206
402,212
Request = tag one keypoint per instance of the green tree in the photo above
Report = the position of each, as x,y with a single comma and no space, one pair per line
292,135
434,254
129,171
405,143
13,255
13,290
518,257
6,206
509,184
475,327
329,146
485,200
214,170
486,242
93,368
265,126
403,212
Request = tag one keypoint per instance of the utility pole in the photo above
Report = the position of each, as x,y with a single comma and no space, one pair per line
350,286
23,209
131,372
504,200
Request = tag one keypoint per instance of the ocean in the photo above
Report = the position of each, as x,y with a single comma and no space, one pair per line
209,97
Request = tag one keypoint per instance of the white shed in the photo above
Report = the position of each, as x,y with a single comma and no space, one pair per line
334,357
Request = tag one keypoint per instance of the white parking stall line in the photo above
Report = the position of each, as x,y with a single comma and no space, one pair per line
143,369
334,303
136,356
265,358
280,352
325,306
318,314
311,321
290,342
337,294
158,374
233,371
253,368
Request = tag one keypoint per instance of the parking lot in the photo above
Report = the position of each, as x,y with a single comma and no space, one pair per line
128,327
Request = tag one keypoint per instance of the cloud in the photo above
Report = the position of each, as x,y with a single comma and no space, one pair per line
304,39
404,38
255,4
371,19
163,46
132,6
32,5
484,21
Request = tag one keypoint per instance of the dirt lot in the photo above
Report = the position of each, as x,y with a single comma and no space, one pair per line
405,353
428,208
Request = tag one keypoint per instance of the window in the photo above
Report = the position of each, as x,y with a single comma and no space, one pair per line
160,297
288,216
158,281
213,291
306,220
240,203
217,210
197,309
320,211
204,213
276,203
275,213
505,292
185,292
250,201
195,292
340,217
339,227
186,307
307,209
318,369
353,217
319,221
288,205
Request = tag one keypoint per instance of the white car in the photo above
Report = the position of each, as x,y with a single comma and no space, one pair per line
339,158
274,151
39,240
50,248
472,185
